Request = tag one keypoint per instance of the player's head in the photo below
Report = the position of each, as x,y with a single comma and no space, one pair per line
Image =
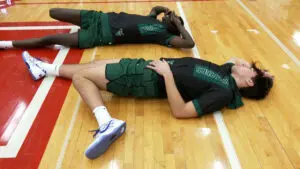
254,83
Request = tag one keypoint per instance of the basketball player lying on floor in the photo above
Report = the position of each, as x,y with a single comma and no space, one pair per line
193,87
98,29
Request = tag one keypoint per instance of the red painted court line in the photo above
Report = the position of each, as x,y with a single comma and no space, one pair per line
4,6
50,23
37,139
19,89
101,2
105,2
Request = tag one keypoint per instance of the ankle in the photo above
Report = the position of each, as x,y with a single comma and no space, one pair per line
102,115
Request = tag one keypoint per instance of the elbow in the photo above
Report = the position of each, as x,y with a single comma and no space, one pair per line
178,114
190,44
53,12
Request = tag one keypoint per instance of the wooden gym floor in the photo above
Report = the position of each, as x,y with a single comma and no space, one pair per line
45,124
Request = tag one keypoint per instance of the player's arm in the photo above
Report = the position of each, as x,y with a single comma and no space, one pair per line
155,11
186,40
179,108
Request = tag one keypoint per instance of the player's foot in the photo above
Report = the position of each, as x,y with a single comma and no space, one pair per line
33,66
104,137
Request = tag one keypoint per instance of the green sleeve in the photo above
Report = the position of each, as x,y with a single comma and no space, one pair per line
167,41
197,108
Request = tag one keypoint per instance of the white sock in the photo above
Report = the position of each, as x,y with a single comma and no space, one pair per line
51,69
6,44
102,115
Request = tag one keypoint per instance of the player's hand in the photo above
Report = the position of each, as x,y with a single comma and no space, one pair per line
160,9
161,67
166,10
174,19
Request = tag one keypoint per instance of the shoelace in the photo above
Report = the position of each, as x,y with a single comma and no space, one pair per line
33,62
102,128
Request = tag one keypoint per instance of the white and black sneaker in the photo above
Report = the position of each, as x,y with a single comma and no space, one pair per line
104,137
33,66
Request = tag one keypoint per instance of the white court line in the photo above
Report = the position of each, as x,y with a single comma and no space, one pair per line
225,137
71,126
15,142
38,27
66,142
283,47
94,54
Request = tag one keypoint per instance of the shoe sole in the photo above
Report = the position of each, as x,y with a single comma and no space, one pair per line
100,147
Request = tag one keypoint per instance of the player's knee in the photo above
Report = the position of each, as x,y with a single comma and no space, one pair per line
77,78
53,12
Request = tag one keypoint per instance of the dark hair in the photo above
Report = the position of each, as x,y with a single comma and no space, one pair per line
262,85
